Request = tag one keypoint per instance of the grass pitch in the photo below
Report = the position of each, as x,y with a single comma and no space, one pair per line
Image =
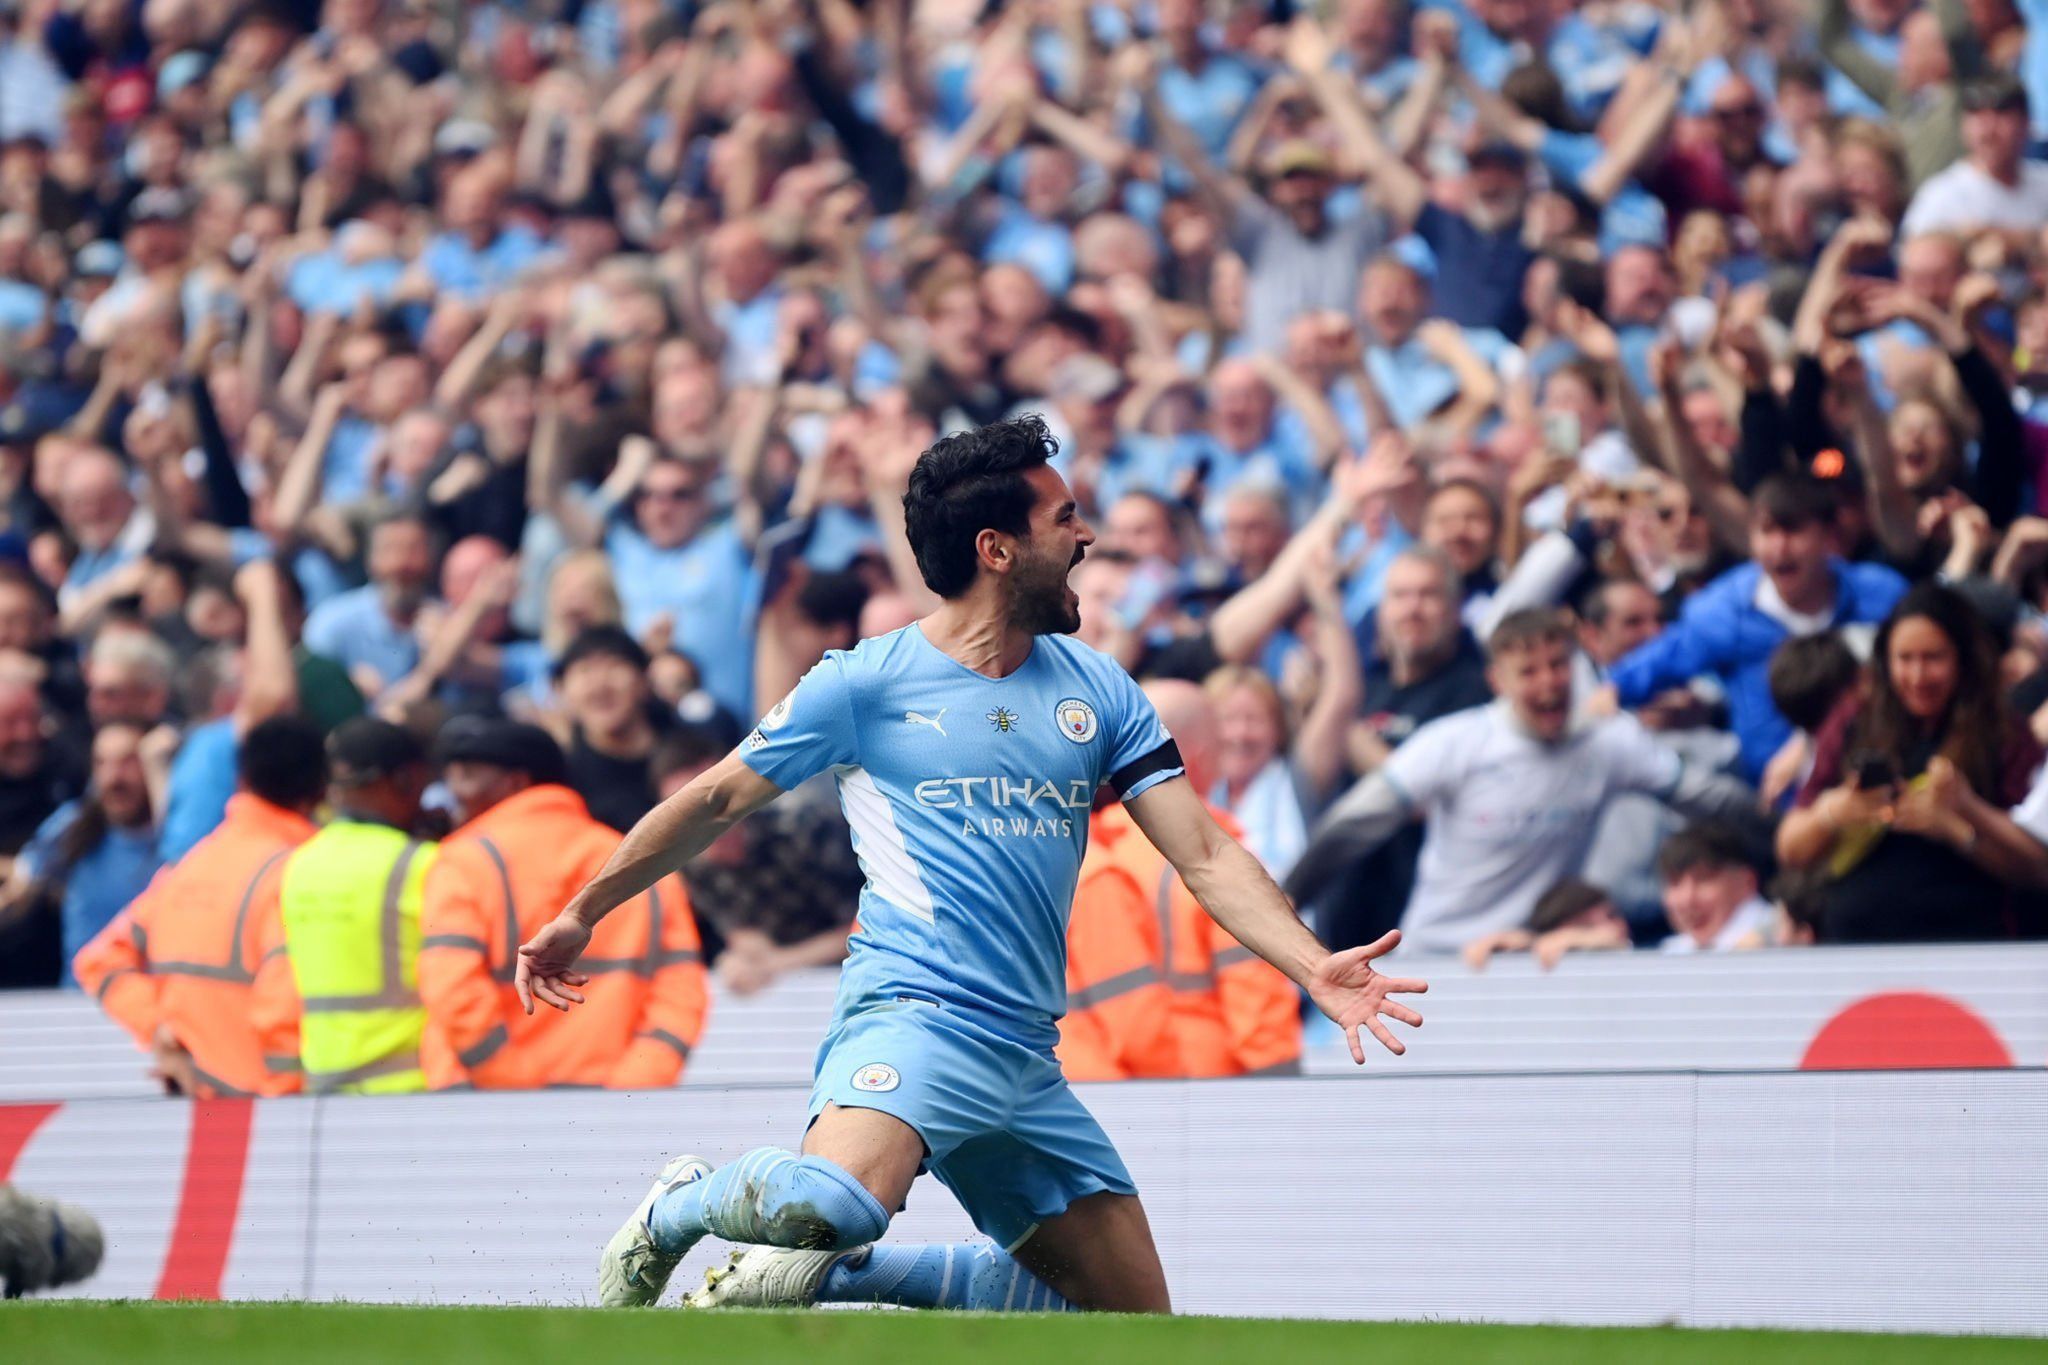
76,1333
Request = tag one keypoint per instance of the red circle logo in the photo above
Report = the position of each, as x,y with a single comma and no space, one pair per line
1904,1030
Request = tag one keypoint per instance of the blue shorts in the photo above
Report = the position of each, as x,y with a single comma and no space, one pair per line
1002,1129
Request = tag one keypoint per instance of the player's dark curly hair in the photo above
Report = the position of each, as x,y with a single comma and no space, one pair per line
967,483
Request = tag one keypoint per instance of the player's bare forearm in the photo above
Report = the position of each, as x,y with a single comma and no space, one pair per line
1228,881
672,833
1239,894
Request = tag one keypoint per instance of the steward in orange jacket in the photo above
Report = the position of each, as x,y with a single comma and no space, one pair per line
1230,1013
527,846
1203,1005
1233,1013
1119,1012
179,967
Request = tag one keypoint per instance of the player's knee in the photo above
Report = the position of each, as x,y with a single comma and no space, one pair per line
822,1208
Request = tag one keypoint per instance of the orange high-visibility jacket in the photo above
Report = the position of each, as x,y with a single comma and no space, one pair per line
186,952
1233,1014
497,881
1119,1013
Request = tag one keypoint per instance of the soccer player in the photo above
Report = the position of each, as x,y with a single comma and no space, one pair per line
967,747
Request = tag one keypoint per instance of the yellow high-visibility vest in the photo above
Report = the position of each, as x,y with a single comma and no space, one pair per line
350,901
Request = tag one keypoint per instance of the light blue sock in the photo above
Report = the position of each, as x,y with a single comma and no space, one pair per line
770,1197
979,1275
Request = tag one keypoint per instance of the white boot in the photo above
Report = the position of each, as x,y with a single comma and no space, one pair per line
633,1270
767,1277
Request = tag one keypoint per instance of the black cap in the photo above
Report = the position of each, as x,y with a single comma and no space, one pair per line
601,642
502,744
364,749
1998,91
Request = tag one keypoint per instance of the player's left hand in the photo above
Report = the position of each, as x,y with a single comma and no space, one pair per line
1346,988
544,963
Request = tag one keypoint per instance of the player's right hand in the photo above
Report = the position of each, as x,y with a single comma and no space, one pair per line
545,962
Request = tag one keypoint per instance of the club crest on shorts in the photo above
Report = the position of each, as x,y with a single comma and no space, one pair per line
1076,719
876,1076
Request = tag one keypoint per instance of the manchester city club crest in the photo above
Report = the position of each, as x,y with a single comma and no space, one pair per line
1076,719
1004,719
875,1077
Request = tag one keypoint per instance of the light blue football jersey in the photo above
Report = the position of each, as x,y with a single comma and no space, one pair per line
968,797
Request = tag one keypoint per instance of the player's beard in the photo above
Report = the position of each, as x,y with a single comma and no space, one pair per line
1043,604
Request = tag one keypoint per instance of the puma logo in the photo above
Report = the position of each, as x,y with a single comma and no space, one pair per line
913,718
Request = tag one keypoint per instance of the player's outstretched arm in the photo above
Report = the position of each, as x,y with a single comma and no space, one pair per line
1239,895
665,838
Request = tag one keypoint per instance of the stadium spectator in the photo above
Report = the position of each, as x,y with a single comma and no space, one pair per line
1710,893
128,679
1615,618
1297,258
1729,630
602,678
371,630
95,854
1255,773
1573,916
1905,778
1809,678
672,557
178,967
1510,791
526,843
1994,186
32,787
1422,665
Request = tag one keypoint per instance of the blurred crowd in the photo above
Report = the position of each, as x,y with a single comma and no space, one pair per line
1584,462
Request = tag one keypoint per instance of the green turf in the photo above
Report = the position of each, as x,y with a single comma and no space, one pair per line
301,1334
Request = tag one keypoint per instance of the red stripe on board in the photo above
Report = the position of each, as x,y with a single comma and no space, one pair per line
215,1162
18,1123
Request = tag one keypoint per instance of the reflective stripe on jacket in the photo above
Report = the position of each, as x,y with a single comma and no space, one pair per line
497,880
184,954
1118,1010
1232,1014
349,928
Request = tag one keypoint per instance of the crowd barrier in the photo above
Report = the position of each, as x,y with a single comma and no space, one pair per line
1974,1006
1902,1200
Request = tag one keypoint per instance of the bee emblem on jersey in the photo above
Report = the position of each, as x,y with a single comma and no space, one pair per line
876,1077
1076,719
1004,719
